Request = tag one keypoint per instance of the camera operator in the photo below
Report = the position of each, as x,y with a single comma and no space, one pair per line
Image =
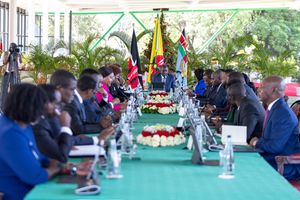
11,61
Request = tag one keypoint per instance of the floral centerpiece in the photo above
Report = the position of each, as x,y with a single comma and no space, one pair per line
162,107
160,135
159,96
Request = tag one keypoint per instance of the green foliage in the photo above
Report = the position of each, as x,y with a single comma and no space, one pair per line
41,63
279,30
267,64
85,57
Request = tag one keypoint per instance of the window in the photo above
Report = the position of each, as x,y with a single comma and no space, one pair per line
22,30
4,25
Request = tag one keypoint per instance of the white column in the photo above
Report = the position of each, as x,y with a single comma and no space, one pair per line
45,24
31,22
56,27
66,27
13,21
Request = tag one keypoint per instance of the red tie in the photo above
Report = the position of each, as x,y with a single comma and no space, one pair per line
265,120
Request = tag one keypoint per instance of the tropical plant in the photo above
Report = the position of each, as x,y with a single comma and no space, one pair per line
267,64
233,53
41,64
86,57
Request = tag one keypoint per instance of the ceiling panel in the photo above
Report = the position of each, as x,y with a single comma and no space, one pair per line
148,5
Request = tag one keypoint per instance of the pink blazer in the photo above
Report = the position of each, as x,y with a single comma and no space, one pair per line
99,97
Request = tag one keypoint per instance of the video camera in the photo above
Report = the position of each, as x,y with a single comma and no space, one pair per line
13,49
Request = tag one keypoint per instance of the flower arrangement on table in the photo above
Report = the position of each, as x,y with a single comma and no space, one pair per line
160,135
162,107
159,96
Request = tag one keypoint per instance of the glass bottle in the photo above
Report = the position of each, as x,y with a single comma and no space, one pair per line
227,160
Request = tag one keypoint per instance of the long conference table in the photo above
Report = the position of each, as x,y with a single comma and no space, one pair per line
167,173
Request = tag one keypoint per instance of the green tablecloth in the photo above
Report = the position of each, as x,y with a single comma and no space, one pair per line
167,173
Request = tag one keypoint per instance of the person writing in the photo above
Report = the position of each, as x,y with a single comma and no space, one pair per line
21,163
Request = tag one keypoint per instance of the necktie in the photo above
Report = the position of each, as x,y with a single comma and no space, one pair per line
265,119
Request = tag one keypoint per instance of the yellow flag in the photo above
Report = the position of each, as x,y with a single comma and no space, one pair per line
157,56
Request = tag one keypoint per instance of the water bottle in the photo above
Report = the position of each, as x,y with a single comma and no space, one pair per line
227,160
113,161
199,138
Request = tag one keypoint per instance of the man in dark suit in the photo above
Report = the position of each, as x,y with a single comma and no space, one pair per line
164,77
86,88
280,128
52,133
250,112
95,113
218,95
235,77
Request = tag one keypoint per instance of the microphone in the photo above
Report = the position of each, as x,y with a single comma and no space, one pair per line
90,185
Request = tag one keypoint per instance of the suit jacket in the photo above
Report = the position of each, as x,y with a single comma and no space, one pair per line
250,93
218,96
78,122
170,81
251,114
93,111
52,142
118,92
280,137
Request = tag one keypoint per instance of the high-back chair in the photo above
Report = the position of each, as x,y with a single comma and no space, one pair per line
284,160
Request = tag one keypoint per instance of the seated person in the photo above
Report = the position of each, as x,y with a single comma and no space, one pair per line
21,163
163,76
235,77
250,113
217,96
95,113
280,127
117,86
296,109
86,88
103,95
200,86
52,133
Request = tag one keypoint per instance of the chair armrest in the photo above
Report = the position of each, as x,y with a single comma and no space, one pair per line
282,160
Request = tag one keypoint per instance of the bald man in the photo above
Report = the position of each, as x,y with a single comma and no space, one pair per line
280,128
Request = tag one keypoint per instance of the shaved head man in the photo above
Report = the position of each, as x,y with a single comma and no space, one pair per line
271,88
280,127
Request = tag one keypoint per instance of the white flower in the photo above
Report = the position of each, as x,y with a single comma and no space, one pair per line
170,141
177,140
140,138
182,137
155,140
164,110
163,141
148,140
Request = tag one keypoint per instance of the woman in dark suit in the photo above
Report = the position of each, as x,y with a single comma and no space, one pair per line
21,164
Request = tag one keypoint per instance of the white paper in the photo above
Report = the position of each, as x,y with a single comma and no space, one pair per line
238,134
180,103
139,111
181,112
180,122
190,143
86,150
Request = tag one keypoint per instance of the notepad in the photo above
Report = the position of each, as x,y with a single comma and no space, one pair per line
238,134
86,150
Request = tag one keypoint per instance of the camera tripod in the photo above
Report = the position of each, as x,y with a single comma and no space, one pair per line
10,78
